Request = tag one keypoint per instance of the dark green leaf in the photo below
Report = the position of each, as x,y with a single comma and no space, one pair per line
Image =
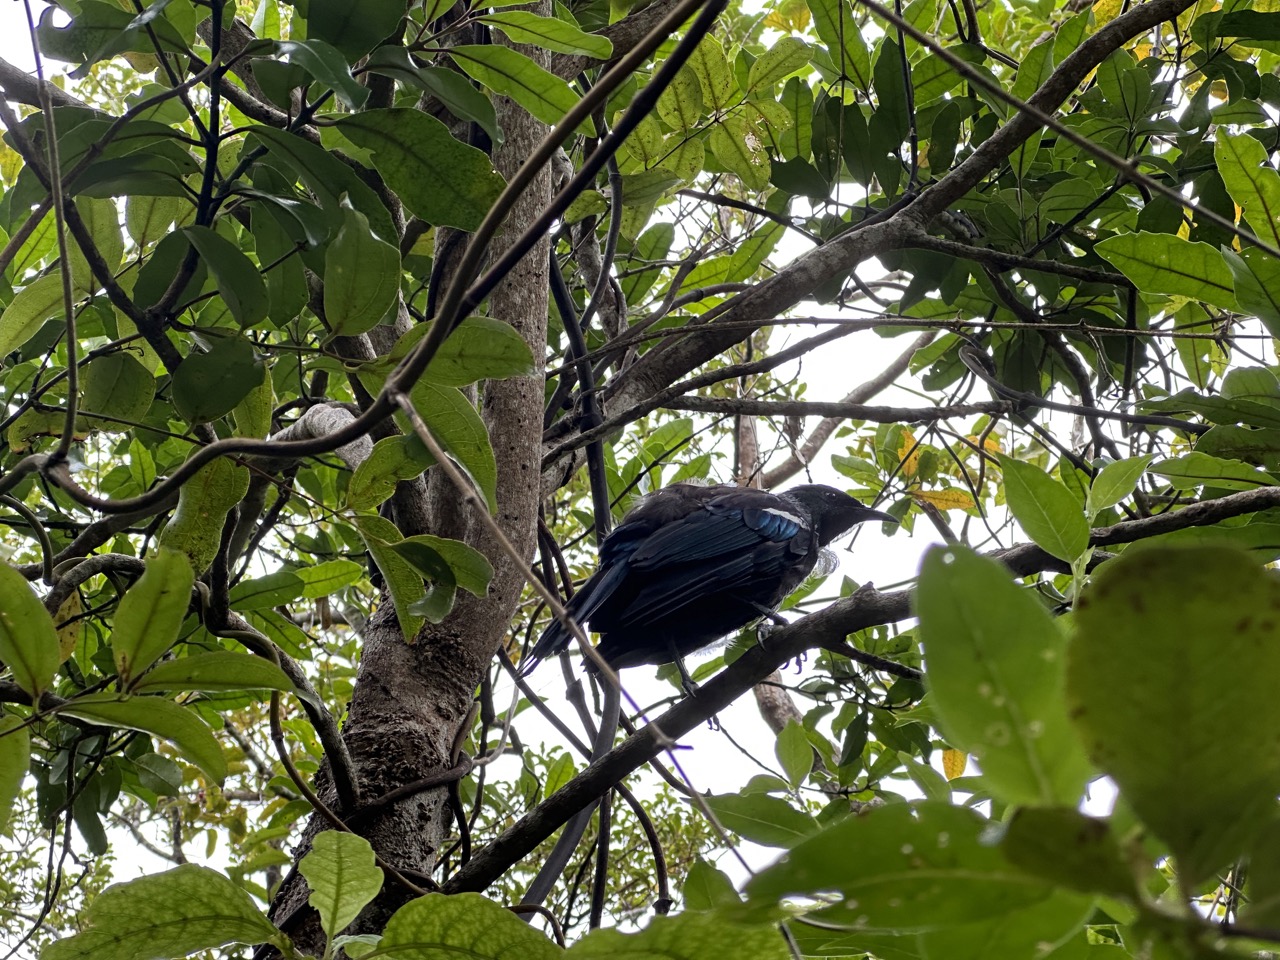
510,73
263,593
1164,263
361,277
241,285
15,758
328,66
117,385
1068,848
457,427
452,89
463,924
688,936
480,348
353,28
439,178
550,33
1171,647
210,385
393,459
162,718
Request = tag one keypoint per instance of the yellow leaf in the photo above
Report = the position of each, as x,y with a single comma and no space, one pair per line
1104,11
952,499
909,454
991,444
954,762
70,626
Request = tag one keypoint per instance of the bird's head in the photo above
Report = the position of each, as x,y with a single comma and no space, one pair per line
833,511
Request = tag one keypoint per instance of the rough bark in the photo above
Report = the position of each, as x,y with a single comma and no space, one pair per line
411,700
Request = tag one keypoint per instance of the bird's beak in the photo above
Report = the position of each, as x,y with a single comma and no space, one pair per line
877,515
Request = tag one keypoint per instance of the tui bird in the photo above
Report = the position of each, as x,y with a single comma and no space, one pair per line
692,563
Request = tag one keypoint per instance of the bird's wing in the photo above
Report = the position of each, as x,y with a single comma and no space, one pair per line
592,594
668,594
719,549
719,530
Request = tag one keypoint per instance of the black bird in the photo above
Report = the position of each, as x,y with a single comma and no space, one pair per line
692,563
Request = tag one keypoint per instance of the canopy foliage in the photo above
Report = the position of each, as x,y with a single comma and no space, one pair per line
333,332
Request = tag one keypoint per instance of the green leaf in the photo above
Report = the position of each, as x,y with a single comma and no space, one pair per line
706,888
353,28
158,717
833,19
762,819
28,639
210,385
995,679
480,348
263,593
1032,931
783,58
102,30
1068,848
328,178
403,581
710,65
680,104
328,66
465,924
361,277
795,753
1116,481
740,151
214,672
450,87
326,579
1045,509
902,868
471,570
102,221
151,613
1165,263
117,385
169,914
1262,895
39,301
195,528
688,936
1251,181
549,33
15,759
1200,469
439,178
343,877
239,282
1172,647
149,218
457,427
442,587
392,459
512,74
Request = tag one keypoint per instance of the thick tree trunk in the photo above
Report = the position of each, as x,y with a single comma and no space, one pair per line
410,701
